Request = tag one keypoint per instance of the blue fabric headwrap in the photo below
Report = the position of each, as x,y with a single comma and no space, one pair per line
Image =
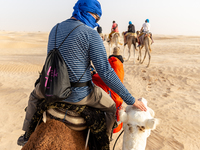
82,9
130,22
147,20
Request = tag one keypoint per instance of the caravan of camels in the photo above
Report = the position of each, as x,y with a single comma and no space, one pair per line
115,70
131,38
136,130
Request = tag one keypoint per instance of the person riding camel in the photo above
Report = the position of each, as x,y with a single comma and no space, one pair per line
145,29
131,29
116,62
114,29
83,47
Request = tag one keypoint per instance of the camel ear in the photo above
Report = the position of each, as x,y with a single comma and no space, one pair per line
151,123
123,116
152,113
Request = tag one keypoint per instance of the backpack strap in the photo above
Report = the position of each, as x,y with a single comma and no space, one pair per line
74,84
115,27
80,84
77,84
67,35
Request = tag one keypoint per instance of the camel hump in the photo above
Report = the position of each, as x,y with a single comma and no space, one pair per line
115,34
54,135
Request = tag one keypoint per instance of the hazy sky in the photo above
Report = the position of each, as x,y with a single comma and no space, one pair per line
172,17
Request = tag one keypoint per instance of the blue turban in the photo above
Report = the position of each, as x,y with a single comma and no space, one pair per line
82,9
147,20
130,22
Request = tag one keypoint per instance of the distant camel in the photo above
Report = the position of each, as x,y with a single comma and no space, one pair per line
147,44
131,40
137,126
115,39
102,36
105,37
54,135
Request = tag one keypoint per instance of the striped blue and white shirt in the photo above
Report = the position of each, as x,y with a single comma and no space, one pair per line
82,46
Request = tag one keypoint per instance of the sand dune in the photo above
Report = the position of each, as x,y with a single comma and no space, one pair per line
171,85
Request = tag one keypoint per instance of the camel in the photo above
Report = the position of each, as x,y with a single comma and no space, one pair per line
137,126
147,44
102,36
78,120
131,40
54,135
105,37
115,39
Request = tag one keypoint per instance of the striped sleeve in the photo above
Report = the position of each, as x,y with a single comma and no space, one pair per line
99,58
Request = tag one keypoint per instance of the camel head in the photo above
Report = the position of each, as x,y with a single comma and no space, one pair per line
137,126
123,34
105,37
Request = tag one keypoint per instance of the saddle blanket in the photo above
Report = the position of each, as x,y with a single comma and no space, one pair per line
131,34
114,34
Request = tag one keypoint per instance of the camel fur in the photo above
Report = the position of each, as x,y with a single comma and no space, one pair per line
115,39
137,126
131,39
102,36
54,135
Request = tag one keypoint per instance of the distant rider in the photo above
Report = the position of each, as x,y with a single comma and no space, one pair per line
114,29
131,29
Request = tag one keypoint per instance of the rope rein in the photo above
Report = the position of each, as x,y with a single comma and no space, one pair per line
117,139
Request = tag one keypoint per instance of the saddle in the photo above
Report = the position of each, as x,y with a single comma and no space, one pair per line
143,35
94,118
131,34
70,118
114,34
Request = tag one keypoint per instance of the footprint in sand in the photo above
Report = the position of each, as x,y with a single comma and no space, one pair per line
144,71
144,78
149,85
149,88
163,79
165,95
160,71
168,89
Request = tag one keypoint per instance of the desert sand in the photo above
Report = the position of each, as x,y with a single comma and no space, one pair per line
171,86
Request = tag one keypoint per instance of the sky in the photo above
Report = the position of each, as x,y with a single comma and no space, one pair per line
167,17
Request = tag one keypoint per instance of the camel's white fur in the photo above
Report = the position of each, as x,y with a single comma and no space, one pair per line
137,126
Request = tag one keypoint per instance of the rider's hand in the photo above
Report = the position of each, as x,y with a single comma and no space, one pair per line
139,105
